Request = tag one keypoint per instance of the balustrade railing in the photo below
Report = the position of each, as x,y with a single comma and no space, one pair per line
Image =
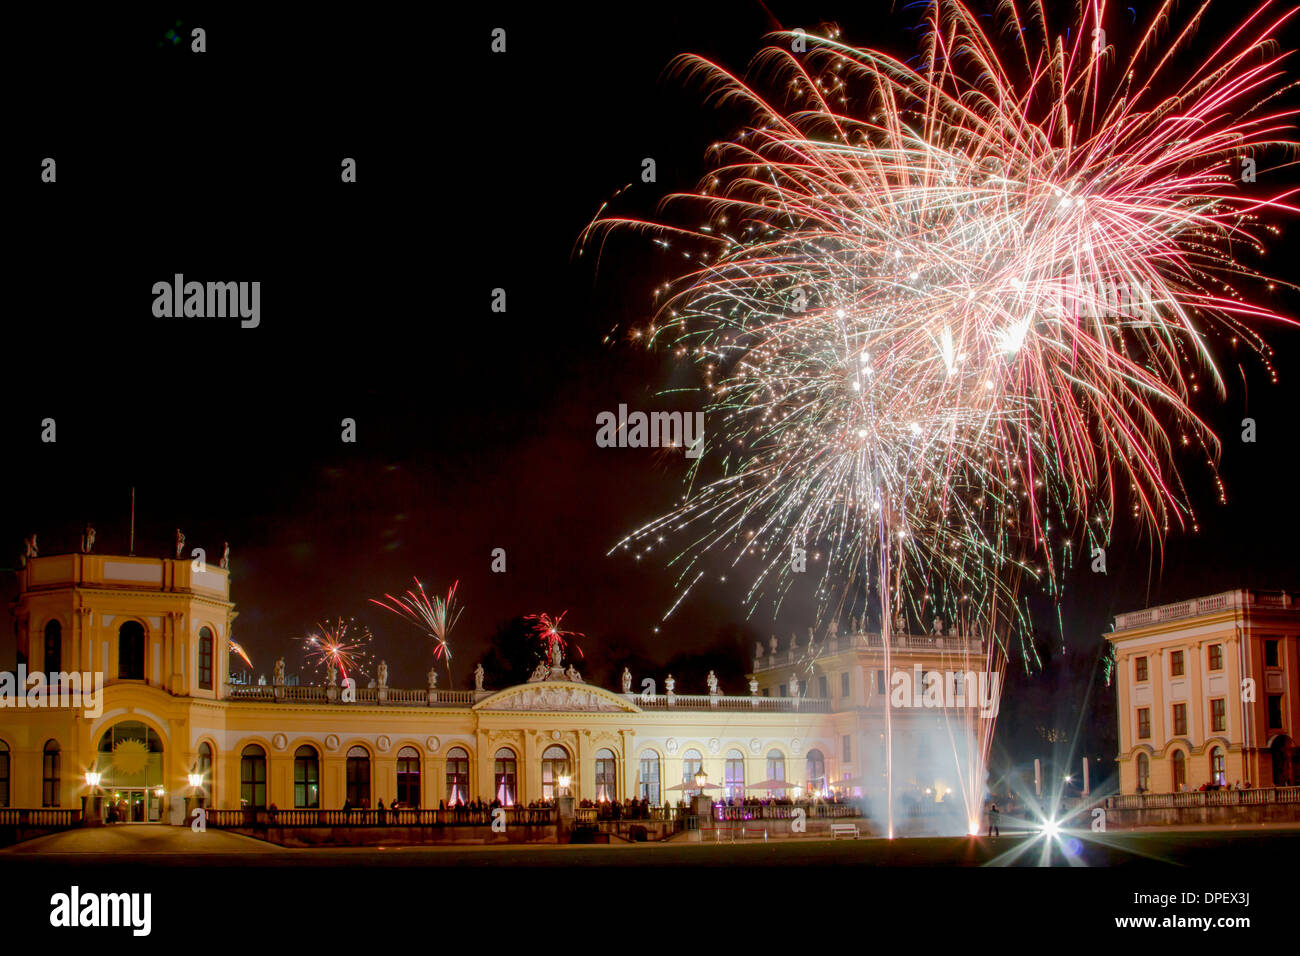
1203,798
39,817
302,694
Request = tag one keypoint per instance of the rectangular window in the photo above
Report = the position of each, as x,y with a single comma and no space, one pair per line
844,684
1175,663
880,682
846,743
1218,715
1216,657
1270,653
1144,723
783,690
205,659
1180,719
822,690
1275,711
765,692
50,778
1140,669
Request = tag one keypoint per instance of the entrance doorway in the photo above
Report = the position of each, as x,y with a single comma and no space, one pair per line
129,761
133,805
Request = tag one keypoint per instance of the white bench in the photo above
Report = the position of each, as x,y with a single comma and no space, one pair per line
844,829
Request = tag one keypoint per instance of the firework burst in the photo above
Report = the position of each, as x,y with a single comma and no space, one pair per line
435,617
243,654
952,318
552,637
344,645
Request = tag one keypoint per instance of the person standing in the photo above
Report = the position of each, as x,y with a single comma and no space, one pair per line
993,820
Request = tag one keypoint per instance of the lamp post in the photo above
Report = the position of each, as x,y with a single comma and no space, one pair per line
92,804
194,799
701,803
564,801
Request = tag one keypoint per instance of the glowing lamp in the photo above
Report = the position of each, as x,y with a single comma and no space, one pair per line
196,780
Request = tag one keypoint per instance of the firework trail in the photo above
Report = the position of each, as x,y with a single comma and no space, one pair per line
952,318
345,645
435,617
243,654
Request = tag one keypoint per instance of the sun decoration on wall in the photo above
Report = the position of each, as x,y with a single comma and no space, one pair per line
130,757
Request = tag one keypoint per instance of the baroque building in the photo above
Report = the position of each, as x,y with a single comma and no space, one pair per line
1209,692
156,632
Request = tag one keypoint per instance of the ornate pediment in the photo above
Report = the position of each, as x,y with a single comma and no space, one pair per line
552,696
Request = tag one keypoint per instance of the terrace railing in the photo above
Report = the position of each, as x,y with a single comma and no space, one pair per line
1204,798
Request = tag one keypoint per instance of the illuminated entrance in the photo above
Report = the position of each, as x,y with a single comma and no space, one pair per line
129,760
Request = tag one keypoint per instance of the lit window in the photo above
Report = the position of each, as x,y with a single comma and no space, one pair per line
1216,657
1176,664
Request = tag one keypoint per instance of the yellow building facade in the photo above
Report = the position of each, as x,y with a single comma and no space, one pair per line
1209,692
156,633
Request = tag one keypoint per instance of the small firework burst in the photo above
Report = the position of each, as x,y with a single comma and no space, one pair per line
435,617
344,644
547,630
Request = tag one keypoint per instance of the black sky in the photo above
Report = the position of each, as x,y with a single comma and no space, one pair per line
476,430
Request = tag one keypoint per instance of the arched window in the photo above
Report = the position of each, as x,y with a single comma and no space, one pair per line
408,777
306,778
504,774
1144,773
252,777
53,647
815,770
734,778
776,771
606,776
648,782
130,756
50,775
4,774
1218,768
130,651
204,766
1178,760
358,768
457,776
555,764
205,658
692,762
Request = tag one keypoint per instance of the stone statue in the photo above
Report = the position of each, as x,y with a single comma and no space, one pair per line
88,539
180,544
383,674
261,680
952,629
541,672
331,675
279,672
794,687
938,627
753,687
478,676
670,685
712,681
773,645
30,550
572,675
900,626
225,556
433,678
557,655
627,681
758,651
834,627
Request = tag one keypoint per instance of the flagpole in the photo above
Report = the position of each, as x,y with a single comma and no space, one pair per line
131,550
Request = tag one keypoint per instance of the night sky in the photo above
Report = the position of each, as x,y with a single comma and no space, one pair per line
475,430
